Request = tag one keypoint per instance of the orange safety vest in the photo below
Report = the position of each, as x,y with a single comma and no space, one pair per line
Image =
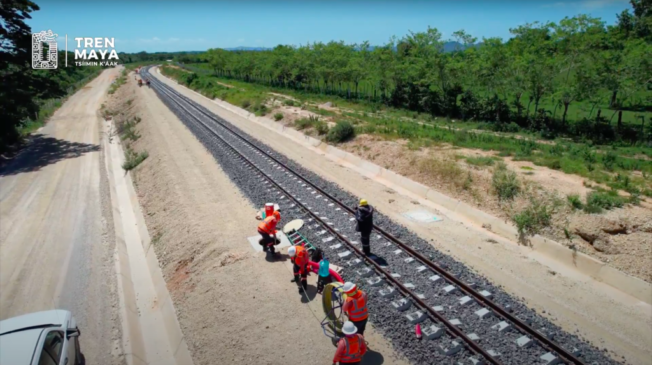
353,352
359,311
301,257
268,225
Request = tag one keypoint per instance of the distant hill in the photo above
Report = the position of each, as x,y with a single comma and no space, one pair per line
448,47
248,49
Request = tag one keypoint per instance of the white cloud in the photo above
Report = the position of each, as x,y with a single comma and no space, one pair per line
241,40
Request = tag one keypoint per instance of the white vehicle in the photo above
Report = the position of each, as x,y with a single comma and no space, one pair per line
41,338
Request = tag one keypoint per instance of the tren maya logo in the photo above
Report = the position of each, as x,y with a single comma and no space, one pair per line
89,51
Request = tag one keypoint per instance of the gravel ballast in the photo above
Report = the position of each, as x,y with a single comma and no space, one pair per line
388,320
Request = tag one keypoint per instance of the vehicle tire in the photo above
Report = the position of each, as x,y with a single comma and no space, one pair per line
82,359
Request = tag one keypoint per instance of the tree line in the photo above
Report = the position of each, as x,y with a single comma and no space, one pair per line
531,81
25,91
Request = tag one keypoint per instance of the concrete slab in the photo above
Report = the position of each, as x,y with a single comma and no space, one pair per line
453,348
387,292
524,341
476,361
449,289
253,241
549,359
501,326
422,216
402,305
473,336
431,332
364,272
375,281
483,313
416,317
466,300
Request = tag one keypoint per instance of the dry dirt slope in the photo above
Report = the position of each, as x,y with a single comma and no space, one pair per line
233,306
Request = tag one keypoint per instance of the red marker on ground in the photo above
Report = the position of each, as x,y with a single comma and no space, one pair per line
417,330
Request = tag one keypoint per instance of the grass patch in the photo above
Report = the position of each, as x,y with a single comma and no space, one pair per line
597,201
531,220
278,116
481,161
526,168
575,201
288,102
259,109
133,159
305,123
505,182
446,169
118,82
127,130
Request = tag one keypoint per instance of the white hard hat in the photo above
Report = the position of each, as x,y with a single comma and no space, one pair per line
349,328
276,207
349,287
292,251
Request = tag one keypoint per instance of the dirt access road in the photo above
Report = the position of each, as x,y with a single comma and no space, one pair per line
55,241
600,314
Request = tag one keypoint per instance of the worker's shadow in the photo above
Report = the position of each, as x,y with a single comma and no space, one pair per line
311,293
372,358
379,260
276,258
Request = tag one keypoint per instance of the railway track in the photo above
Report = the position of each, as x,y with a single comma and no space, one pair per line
461,322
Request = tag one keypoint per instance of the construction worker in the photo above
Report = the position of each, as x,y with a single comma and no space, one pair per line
355,306
299,257
364,215
267,229
350,348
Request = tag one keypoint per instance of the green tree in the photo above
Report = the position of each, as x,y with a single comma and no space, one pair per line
19,84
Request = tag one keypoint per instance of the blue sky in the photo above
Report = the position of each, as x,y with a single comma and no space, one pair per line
195,25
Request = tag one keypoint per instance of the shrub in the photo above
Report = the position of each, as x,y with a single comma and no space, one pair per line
289,102
260,109
322,128
303,123
555,164
575,201
133,159
127,130
505,182
246,103
533,218
278,116
596,201
342,132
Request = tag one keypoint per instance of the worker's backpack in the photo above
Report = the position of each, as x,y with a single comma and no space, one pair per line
317,255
